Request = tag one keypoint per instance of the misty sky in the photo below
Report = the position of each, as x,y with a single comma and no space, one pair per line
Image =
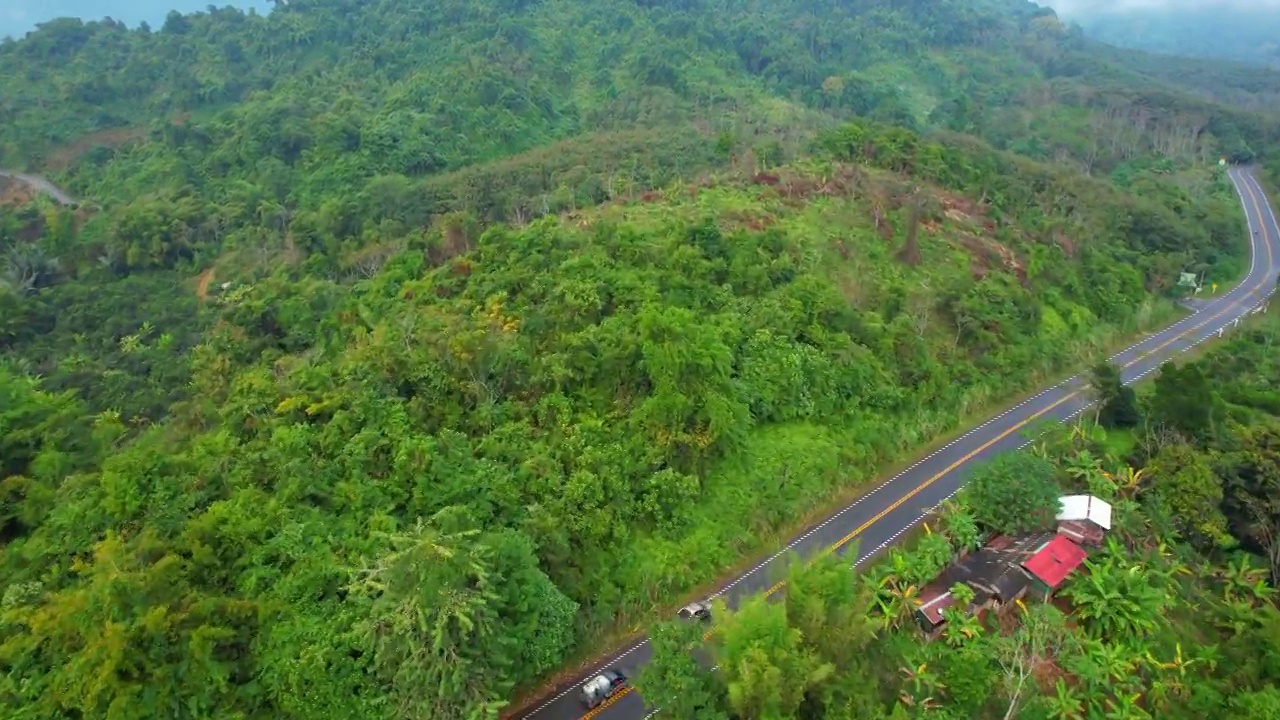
20,16
1077,7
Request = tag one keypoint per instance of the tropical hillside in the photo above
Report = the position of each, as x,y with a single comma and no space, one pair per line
1172,615
389,356
1221,81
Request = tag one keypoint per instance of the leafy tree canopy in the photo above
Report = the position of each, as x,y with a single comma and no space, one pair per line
376,358
1014,493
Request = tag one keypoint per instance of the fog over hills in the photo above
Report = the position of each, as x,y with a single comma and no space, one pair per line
1242,30
396,357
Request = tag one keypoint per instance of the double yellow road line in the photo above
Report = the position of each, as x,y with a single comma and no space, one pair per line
1265,234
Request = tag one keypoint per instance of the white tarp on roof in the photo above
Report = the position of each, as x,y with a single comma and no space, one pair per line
1086,507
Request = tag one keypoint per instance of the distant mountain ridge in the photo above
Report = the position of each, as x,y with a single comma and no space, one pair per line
1231,33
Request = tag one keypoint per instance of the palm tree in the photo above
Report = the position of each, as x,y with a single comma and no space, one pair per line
1174,675
963,594
27,268
1117,662
429,596
130,344
1128,480
1083,464
930,556
1158,694
897,601
919,567
1236,616
1164,565
1086,469
1208,656
1116,601
1085,668
1079,435
921,688
960,525
1243,582
961,628
1065,704
1126,707
1130,524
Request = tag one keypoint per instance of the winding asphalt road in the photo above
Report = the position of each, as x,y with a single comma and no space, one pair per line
881,516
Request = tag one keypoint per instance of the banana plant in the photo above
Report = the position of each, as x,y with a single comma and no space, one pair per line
1065,703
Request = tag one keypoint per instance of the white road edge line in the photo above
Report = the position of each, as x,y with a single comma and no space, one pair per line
1266,293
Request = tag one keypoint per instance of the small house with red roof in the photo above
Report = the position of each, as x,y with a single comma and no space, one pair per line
994,573
999,574
1053,562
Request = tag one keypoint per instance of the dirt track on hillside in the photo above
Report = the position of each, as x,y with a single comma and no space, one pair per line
38,183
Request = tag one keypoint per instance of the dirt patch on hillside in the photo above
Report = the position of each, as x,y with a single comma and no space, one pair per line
63,157
756,221
959,209
988,254
960,220
972,232
202,283
798,187
14,193
1067,244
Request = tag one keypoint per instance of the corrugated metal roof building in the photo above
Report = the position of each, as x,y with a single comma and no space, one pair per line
1053,562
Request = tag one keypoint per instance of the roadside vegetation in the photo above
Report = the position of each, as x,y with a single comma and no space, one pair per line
397,353
603,410
1173,617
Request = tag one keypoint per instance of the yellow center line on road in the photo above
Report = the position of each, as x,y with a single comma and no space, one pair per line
1266,243
605,705
947,471
1266,233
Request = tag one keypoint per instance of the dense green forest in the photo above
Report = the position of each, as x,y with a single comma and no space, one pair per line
396,353
1174,617
1242,86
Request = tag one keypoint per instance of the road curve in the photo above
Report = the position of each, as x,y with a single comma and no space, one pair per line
40,184
882,515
